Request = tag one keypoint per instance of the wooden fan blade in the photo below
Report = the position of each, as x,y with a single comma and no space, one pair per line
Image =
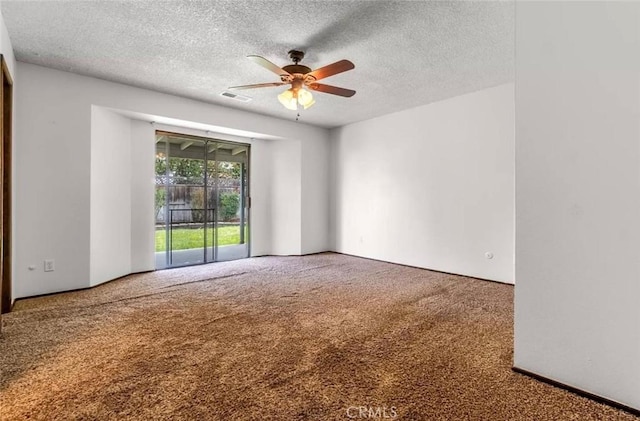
328,89
259,85
261,61
332,69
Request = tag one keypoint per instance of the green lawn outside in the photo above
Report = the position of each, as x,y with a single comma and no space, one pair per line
186,238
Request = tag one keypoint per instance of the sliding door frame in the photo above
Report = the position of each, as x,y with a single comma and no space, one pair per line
245,198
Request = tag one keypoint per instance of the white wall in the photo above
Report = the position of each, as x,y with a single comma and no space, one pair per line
53,191
430,187
286,191
577,312
110,196
143,152
52,179
6,49
260,189
315,201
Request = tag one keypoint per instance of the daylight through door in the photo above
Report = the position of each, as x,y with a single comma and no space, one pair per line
201,200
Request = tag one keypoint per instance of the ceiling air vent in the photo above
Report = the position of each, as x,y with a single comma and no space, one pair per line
237,97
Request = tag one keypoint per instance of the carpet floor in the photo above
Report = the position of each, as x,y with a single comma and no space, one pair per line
276,338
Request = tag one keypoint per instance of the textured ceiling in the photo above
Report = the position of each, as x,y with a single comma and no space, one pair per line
406,53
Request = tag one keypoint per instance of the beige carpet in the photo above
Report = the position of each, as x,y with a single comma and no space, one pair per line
276,339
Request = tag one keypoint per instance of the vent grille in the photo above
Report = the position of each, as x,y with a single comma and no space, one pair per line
237,97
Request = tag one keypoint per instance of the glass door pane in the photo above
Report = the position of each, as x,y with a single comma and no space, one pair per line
211,177
161,204
201,200
186,194
231,218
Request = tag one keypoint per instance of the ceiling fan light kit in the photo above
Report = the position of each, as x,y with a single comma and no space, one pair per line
300,77
291,98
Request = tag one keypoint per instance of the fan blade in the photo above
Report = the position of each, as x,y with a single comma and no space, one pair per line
328,89
261,61
332,69
259,85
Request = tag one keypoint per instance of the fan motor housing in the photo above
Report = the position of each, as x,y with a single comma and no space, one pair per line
297,68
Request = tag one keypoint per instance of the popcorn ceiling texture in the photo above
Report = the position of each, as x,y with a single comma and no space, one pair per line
406,53
275,338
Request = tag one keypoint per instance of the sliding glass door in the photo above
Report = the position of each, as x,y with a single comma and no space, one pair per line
202,212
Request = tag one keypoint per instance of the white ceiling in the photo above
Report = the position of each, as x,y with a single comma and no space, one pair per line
406,53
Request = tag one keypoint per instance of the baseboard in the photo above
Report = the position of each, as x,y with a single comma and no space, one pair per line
425,268
47,294
578,392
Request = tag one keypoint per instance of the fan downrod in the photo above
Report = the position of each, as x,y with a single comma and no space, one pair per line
296,56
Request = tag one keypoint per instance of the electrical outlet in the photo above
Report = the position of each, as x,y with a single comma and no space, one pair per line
49,265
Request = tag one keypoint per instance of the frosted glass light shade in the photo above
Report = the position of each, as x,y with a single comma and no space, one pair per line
305,98
288,99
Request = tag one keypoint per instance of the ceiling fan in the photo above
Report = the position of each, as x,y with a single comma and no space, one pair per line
300,77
